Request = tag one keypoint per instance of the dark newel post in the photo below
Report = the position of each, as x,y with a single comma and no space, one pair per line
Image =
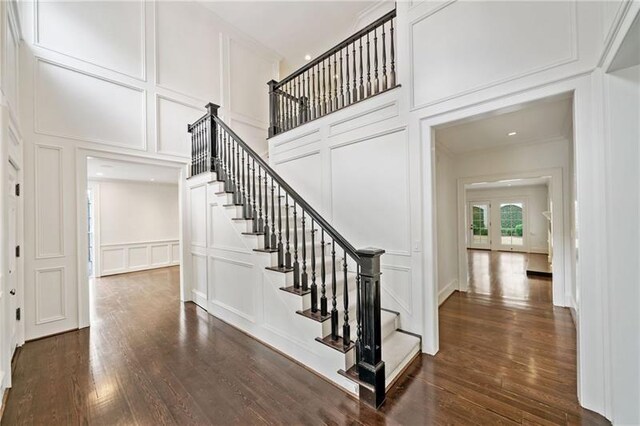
212,111
273,109
370,365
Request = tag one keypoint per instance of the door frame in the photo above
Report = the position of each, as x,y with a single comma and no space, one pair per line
81,157
469,223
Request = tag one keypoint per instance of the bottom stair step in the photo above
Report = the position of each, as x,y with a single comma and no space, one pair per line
337,344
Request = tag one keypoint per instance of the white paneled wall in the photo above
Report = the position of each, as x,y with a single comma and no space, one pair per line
121,79
136,226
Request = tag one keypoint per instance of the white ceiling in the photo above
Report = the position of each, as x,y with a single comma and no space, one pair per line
293,29
537,121
508,183
100,168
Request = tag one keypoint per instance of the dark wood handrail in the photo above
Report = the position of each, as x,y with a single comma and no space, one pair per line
375,24
335,235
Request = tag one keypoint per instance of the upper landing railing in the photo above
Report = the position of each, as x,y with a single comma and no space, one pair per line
361,66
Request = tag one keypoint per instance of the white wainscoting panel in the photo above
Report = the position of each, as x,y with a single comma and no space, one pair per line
172,135
80,30
304,174
370,191
222,234
77,105
137,256
199,279
249,73
396,289
50,295
488,43
232,285
253,134
187,61
49,201
198,219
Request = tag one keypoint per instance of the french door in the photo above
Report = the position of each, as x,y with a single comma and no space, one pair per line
479,220
512,235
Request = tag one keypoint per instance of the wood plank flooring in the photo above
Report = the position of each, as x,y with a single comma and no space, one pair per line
148,359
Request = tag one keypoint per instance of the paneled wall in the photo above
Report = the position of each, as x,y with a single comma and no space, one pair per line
136,226
122,78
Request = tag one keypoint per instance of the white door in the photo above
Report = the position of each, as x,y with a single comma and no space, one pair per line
12,282
479,220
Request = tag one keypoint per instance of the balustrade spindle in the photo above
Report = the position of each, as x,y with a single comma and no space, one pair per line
274,238
314,103
291,106
280,246
358,316
254,211
243,183
239,200
384,61
354,95
335,83
341,102
308,99
260,219
348,89
267,235
296,265
330,104
229,178
199,139
304,278
299,97
233,169
392,74
314,286
376,87
287,256
346,328
334,302
248,191
323,276
368,68
361,87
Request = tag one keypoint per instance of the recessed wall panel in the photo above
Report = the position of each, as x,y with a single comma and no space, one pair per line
160,255
138,257
198,222
188,50
76,105
480,44
233,285
49,202
172,119
85,30
370,192
254,136
304,174
50,295
249,73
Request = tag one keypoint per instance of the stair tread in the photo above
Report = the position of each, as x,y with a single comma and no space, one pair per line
398,348
336,344
298,291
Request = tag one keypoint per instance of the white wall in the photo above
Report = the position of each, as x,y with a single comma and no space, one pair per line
623,210
137,226
447,201
122,79
535,224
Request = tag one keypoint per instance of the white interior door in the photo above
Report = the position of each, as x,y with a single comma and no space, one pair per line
479,220
12,282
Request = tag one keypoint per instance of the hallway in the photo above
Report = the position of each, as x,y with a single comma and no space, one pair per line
148,359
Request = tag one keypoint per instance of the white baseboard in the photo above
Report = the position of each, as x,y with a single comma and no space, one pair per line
573,308
447,291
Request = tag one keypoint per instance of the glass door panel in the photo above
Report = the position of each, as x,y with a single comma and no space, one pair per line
479,225
511,225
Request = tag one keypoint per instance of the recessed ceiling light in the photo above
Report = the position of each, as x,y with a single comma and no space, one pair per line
89,158
512,133
152,180
99,174
307,57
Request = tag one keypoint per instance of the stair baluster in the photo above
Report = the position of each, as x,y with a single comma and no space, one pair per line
254,211
341,102
348,82
335,83
287,255
280,246
267,234
392,74
334,303
304,278
314,286
323,276
376,86
274,238
296,265
260,219
385,85
346,328
368,68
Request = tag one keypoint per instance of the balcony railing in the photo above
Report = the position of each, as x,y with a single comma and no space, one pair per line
361,66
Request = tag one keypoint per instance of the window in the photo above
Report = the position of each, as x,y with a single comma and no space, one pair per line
511,226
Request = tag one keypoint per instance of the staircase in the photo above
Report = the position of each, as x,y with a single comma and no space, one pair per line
330,290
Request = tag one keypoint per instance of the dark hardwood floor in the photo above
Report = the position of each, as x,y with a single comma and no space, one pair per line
148,359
